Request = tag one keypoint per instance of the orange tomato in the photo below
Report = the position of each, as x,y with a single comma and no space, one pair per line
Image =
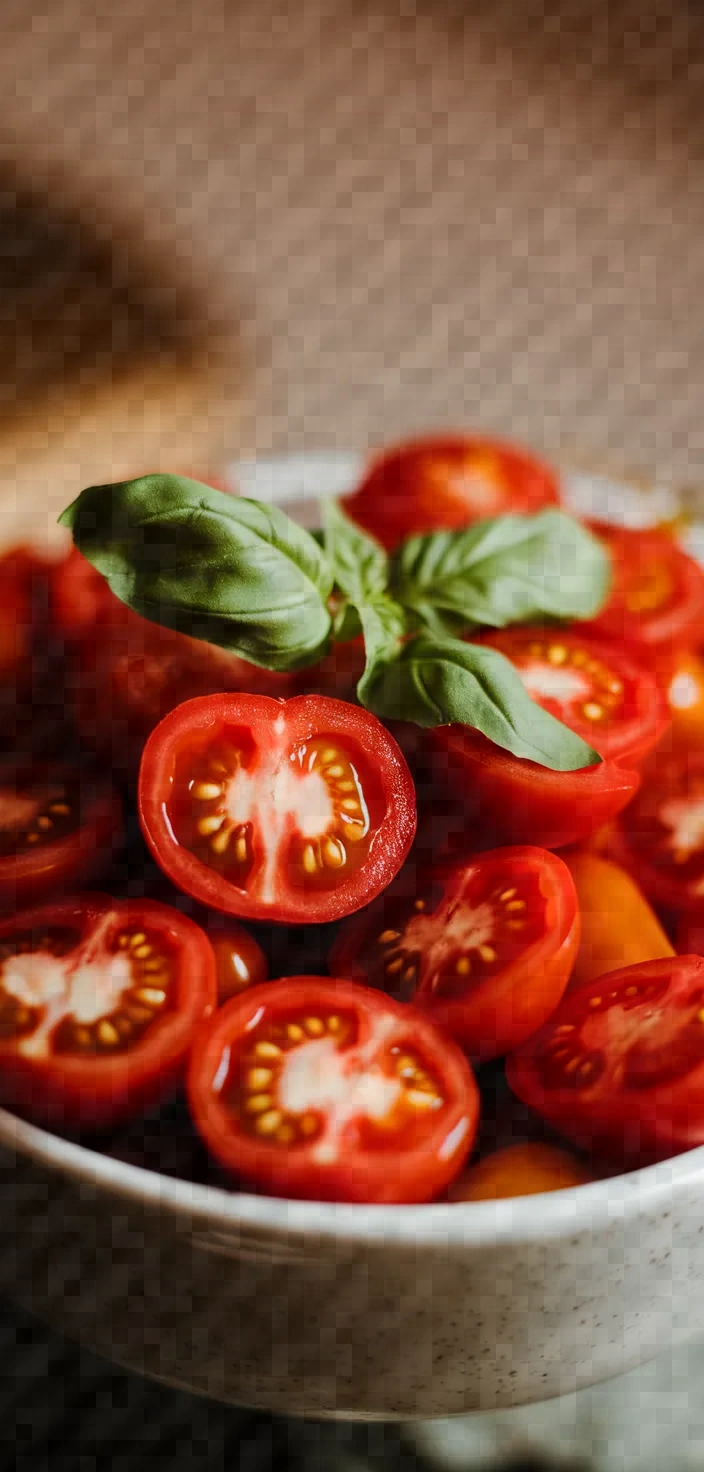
520,1170
619,927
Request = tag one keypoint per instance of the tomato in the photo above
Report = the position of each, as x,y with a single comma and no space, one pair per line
618,926
520,1170
685,697
598,690
446,481
239,959
507,799
325,1090
657,597
59,826
620,1065
299,810
660,837
486,949
98,1004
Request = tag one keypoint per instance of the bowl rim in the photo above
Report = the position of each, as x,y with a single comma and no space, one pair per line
292,479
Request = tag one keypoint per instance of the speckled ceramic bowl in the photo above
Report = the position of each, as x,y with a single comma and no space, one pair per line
357,1312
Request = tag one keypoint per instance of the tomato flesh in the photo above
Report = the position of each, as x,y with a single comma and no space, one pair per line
291,811
620,1065
328,1091
98,1002
59,826
486,949
443,482
657,596
598,690
660,837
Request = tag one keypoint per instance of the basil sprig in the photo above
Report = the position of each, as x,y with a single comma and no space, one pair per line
239,574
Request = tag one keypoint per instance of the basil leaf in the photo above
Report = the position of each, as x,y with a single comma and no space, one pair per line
359,563
384,625
435,682
511,569
235,572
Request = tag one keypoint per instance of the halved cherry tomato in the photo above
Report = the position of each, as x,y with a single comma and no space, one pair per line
445,481
507,799
618,926
299,810
520,1170
239,959
660,837
620,1065
598,690
486,949
657,596
60,825
325,1090
98,1005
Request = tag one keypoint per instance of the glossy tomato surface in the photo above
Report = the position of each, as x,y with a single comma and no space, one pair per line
99,1000
486,949
446,481
599,690
657,596
526,1169
239,959
292,811
60,825
660,836
325,1090
620,1065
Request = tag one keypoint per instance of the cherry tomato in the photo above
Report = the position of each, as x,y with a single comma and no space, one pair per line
299,810
239,960
446,481
657,596
598,690
486,949
520,1170
60,825
685,697
507,799
321,1089
98,1004
620,1065
618,926
660,837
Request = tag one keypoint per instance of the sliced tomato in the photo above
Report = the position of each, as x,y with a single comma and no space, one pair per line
506,799
447,481
98,1005
60,825
486,949
597,689
329,1091
527,1169
657,596
660,837
293,811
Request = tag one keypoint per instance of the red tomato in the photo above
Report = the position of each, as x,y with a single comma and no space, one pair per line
299,810
620,1065
324,1090
240,961
446,481
98,1004
657,596
598,690
507,799
486,949
660,838
59,826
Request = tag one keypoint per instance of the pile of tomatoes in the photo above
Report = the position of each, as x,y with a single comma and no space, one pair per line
456,918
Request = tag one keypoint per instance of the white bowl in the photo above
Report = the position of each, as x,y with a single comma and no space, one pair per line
354,1311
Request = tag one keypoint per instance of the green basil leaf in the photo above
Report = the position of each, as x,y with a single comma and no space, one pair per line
359,563
346,623
235,572
384,624
511,569
435,682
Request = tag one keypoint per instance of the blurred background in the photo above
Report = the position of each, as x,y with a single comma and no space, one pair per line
251,226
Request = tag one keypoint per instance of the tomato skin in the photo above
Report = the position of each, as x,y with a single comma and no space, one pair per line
645,842
444,481
498,1009
527,1169
619,928
663,586
240,961
299,720
516,801
84,853
86,1095
641,1097
382,1172
632,722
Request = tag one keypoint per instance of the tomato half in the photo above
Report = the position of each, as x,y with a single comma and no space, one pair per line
620,1065
486,949
527,1169
507,799
657,595
98,1004
598,690
660,837
60,825
293,811
445,481
329,1091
